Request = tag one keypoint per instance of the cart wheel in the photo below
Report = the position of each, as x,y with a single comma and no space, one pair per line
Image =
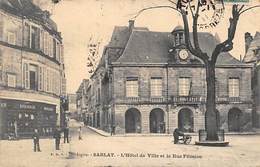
187,140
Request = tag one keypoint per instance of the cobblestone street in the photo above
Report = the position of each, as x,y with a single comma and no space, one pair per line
96,150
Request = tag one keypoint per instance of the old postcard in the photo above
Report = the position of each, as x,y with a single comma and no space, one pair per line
129,83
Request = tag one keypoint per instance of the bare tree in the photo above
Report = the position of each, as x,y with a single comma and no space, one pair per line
208,60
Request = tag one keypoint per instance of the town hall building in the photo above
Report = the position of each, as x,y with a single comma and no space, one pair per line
148,82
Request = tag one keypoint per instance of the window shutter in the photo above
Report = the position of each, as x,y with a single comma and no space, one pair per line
40,86
42,40
26,75
26,39
1,27
1,65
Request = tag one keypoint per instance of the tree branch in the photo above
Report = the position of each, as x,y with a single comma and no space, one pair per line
257,6
173,2
195,28
154,7
195,52
227,45
191,10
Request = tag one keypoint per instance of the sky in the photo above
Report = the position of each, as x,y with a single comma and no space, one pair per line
78,20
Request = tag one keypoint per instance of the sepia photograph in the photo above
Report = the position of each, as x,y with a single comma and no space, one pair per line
139,83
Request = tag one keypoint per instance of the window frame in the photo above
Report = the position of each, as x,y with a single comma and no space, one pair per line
133,93
180,86
9,75
234,93
154,89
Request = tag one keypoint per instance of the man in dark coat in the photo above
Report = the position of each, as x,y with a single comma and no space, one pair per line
66,134
36,141
57,136
177,132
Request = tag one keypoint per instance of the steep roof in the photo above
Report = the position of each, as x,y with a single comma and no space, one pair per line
29,9
153,47
255,44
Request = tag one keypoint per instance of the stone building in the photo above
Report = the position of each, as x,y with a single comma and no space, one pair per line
81,99
32,74
252,56
148,82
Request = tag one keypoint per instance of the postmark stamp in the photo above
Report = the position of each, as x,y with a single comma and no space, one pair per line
210,11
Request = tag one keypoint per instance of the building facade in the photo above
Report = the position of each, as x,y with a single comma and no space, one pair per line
81,100
252,56
148,82
32,77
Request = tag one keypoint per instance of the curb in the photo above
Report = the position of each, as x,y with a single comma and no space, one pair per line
106,134
100,132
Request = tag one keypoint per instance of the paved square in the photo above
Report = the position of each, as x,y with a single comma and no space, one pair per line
96,150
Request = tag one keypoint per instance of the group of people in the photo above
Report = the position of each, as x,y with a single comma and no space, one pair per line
56,136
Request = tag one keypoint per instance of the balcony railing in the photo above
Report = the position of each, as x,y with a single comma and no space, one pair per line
140,100
176,99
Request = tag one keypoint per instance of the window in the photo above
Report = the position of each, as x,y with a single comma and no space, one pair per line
54,48
11,38
26,39
35,38
176,39
11,80
42,40
41,79
46,43
26,75
132,87
50,46
33,77
58,52
181,38
184,86
156,86
233,87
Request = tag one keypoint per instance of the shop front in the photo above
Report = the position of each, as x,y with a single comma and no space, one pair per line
19,118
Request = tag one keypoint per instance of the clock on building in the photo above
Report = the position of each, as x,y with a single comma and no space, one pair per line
183,54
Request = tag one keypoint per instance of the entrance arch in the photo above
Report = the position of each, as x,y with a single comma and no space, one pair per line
157,124
133,121
185,120
234,119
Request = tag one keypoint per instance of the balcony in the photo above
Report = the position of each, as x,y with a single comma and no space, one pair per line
138,100
187,99
227,99
193,99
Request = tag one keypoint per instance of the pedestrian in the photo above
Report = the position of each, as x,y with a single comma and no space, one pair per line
66,135
80,133
36,141
112,130
57,137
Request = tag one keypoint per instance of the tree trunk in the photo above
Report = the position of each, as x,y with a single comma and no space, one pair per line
210,117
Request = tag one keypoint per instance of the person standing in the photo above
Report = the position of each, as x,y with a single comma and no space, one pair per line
15,129
80,133
66,135
57,136
36,141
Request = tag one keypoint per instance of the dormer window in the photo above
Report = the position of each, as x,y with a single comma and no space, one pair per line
178,38
178,34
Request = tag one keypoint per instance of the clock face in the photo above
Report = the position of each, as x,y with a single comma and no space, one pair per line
183,54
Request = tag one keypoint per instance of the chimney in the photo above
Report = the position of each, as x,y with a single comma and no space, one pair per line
248,40
131,24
